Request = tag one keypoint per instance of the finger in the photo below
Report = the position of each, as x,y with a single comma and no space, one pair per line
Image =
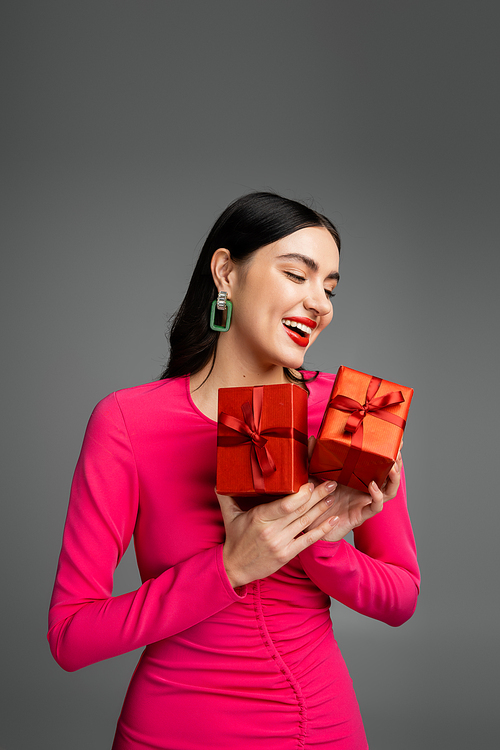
229,507
310,446
393,480
318,500
377,497
322,490
284,506
294,506
322,500
309,537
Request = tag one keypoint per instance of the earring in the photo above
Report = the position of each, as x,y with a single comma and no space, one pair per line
221,300
221,303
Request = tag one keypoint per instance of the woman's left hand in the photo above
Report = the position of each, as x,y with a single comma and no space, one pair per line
353,507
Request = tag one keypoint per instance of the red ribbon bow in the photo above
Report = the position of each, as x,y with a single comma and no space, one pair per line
250,431
354,425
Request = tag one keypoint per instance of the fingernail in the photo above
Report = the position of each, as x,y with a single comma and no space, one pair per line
331,486
333,521
329,499
375,486
310,487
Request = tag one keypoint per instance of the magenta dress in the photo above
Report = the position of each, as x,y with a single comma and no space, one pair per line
256,667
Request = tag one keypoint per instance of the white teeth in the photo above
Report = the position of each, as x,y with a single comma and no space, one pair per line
294,324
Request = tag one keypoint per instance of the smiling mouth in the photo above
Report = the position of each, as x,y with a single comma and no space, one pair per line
302,329
298,332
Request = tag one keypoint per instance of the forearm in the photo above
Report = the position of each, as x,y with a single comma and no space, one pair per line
84,630
379,577
377,589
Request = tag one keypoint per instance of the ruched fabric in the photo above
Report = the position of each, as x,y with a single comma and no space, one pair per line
222,668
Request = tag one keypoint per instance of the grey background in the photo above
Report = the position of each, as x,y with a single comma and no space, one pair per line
127,127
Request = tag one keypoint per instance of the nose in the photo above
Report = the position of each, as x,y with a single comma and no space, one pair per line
318,303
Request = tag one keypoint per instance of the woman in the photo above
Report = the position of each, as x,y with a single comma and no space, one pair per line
234,605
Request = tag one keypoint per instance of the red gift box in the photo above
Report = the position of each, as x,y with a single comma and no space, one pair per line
261,440
361,431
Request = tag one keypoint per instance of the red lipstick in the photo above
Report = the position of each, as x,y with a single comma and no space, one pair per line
300,340
296,334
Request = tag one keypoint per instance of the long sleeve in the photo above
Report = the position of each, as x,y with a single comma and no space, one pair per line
379,577
88,624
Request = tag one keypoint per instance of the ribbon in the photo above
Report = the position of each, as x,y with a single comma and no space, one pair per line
249,431
374,406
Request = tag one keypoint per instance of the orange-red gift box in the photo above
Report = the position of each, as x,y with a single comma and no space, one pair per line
261,440
361,431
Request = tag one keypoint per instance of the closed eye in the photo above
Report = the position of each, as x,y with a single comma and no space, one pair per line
300,279
294,277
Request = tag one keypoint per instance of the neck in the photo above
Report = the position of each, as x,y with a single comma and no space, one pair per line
229,372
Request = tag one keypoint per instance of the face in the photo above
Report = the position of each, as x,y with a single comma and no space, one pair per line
282,298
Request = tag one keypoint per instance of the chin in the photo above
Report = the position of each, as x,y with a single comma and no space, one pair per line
294,363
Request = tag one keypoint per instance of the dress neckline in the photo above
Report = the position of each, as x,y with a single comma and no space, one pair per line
196,410
187,380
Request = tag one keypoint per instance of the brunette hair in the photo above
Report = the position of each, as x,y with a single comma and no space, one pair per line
247,224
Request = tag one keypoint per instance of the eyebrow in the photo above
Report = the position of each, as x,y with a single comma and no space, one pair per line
310,263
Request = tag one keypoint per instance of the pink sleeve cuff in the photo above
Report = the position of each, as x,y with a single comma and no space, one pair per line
237,593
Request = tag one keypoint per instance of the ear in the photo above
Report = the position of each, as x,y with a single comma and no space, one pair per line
222,268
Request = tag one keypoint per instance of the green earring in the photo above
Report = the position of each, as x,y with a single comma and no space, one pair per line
221,303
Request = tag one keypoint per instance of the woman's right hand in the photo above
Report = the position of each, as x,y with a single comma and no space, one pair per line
263,539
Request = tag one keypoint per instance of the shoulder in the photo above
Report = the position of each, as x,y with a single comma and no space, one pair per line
140,401
150,393
137,418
